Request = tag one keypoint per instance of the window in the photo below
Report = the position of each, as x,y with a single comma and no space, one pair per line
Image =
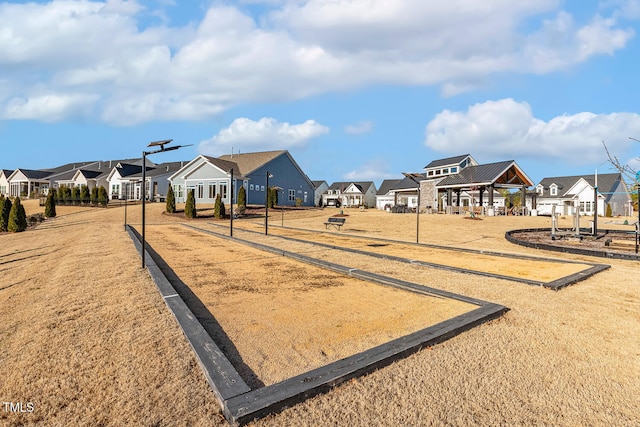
438,172
292,195
445,170
178,189
539,189
262,188
553,189
212,190
200,190
430,173
250,186
223,190
454,169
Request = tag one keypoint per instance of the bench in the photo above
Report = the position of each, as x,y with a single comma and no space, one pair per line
336,222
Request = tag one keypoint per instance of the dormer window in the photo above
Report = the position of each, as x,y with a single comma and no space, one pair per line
445,170
539,189
553,189
454,169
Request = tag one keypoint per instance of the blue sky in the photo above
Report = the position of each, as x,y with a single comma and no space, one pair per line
354,89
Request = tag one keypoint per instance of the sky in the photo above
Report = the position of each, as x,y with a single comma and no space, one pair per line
356,90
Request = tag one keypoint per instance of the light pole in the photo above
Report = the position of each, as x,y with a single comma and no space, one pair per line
276,189
162,149
266,206
415,178
231,217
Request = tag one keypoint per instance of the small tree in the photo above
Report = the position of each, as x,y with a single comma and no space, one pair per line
50,206
84,195
94,196
17,217
4,214
190,205
171,201
103,197
218,208
609,212
75,195
272,197
53,192
242,200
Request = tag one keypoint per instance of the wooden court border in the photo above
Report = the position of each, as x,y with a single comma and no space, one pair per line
241,405
554,284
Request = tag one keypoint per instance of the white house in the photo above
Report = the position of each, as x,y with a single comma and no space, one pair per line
4,181
569,193
350,194
385,196
207,177
28,183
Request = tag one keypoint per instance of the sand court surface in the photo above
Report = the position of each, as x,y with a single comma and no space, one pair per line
87,339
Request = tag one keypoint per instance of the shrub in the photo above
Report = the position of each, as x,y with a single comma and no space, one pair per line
242,199
75,195
4,214
171,201
298,202
94,196
609,212
50,206
38,217
272,197
190,205
84,194
218,208
17,217
53,193
103,197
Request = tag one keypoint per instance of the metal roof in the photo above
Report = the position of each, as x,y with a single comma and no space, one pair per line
487,174
448,161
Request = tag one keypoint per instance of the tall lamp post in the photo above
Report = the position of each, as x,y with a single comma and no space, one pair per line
231,216
266,206
415,177
162,149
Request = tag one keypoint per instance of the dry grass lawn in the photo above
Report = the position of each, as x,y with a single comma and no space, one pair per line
88,340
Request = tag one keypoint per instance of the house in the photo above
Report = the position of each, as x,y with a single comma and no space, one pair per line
385,196
125,179
207,177
4,181
350,194
320,188
28,183
456,184
569,193
295,188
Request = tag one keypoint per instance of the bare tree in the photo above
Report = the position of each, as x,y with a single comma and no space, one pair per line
626,170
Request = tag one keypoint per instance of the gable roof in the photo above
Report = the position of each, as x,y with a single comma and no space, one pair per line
386,186
6,172
249,162
486,174
448,161
363,186
607,183
407,183
32,174
317,184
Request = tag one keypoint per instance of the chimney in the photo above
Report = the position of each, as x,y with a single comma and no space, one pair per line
181,165
167,168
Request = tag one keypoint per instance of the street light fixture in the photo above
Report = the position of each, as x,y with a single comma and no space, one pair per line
415,177
266,206
162,149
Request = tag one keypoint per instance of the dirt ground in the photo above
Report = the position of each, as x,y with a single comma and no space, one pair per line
87,339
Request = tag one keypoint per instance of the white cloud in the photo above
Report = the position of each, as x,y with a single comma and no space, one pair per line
294,50
373,170
48,108
262,135
359,128
506,129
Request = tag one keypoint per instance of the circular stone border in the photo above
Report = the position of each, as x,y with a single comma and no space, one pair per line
557,248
